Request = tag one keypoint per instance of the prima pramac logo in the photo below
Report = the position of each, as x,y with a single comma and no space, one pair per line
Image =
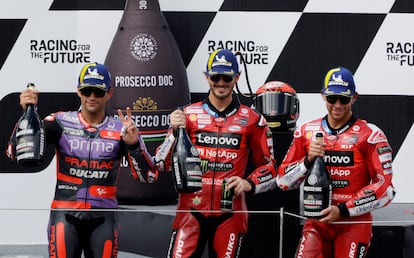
144,47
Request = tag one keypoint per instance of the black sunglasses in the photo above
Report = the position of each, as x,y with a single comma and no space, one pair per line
88,91
332,99
217,77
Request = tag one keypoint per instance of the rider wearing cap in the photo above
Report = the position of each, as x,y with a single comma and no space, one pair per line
224,133
89,146
359,158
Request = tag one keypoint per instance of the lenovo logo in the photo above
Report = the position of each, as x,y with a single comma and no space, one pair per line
339,158
224,140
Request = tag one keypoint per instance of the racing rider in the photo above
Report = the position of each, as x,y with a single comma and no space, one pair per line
359,158
224,132
89,145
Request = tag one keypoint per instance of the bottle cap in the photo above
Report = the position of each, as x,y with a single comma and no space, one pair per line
31,86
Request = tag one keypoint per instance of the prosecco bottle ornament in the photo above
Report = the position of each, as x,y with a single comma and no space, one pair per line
317,188
148,75
30,137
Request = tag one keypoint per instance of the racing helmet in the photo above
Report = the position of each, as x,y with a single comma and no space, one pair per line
278,103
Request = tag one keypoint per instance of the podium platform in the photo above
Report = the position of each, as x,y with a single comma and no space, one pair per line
146,230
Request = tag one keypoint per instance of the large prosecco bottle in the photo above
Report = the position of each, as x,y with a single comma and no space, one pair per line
317,188
148,75
30,137
186,164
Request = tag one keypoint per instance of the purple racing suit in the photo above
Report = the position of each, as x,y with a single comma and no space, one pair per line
88,160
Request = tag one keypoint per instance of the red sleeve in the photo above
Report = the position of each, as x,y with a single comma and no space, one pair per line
261,149
293,171
380,191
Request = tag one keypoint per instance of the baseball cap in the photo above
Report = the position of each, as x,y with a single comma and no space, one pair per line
222,61
94,75
339,81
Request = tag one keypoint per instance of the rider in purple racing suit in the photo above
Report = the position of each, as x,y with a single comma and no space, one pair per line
89,146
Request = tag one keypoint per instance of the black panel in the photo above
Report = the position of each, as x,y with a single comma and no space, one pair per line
323,41
403,6
389,113
188,30
87,5
10,113
264,5
10,31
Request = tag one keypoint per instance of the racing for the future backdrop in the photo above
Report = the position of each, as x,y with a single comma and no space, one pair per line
48,41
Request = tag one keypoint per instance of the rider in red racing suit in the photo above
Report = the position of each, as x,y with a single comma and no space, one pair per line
359,159
223,140
88,160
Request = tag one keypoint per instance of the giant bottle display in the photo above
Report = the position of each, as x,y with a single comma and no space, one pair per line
148,75
317,188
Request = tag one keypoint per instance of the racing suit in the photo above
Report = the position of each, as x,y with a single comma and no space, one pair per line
88,160
223,140
359,159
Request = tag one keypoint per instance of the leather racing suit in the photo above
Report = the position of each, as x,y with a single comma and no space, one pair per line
88,160
223,140
359,159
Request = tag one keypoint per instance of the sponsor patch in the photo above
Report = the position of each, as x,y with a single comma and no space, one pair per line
385,157
384,149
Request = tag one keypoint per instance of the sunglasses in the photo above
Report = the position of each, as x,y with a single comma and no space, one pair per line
332,99
88,91
217,77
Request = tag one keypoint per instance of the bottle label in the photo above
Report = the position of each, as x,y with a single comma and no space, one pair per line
24,132
226,202
193,171
315,200
177,175
30,140
317,190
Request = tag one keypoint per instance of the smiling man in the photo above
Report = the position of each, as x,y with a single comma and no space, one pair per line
89,145
359,158
224,133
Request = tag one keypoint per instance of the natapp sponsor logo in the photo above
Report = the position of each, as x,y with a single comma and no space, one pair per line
340,172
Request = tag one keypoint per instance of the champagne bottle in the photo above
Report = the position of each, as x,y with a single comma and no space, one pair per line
30,137
317,189
186,164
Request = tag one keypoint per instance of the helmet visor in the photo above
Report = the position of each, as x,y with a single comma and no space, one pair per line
272,104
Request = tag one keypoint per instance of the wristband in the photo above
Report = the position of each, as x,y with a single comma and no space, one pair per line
343,210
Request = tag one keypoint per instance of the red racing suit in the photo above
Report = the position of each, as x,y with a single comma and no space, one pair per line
359,159
224,140
88,160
